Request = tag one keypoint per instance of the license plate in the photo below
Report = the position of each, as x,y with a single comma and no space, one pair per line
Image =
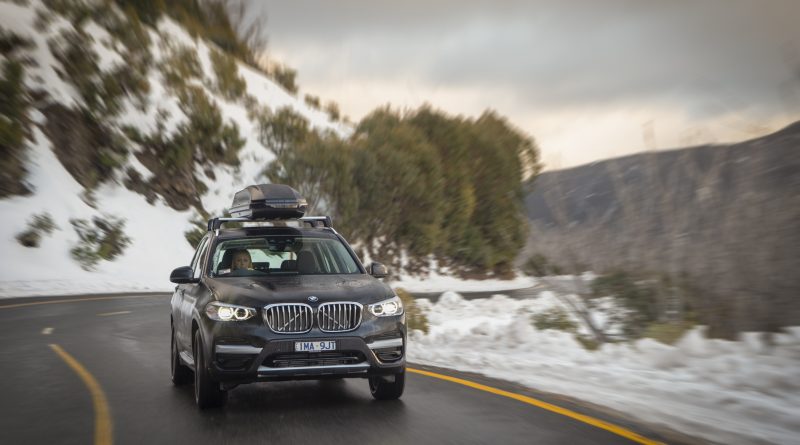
314,346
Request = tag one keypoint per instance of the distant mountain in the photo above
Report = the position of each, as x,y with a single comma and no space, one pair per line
727,216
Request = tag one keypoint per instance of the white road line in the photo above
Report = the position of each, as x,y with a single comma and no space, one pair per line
47,331
113,313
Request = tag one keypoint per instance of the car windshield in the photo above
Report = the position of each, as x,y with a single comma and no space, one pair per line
297,254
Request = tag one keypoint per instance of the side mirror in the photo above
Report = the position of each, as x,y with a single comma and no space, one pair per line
378,270
183,275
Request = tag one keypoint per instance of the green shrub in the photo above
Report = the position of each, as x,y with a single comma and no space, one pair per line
102,239
252,106
415,319
229,84
44,18
588,343
538,266
332,108
129,31
180,65
89,149
210,19
76,11
217,142
41,224
147,10
196,233
431,183
285,76
282,130
101,91
14,105
312,101
554,318
667,333
204,140
319,166
639,297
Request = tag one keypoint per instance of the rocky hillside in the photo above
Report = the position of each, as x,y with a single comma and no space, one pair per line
722,216
121,131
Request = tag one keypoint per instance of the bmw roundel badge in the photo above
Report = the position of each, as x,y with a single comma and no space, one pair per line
313,299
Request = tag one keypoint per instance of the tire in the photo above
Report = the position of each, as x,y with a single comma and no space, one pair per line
207,393
180,373
383,389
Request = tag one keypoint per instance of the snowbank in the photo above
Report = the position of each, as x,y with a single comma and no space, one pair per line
743,392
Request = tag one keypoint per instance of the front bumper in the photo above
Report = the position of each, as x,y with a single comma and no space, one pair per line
237,355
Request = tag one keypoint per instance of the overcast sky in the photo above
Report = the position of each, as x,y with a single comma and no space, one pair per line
587,79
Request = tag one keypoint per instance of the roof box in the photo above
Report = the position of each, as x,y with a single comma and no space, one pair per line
268,201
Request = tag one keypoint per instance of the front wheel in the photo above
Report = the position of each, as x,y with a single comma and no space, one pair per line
207,392
386,387
180,373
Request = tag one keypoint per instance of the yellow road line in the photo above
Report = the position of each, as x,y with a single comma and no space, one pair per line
618,430
76,300
102,417
113,313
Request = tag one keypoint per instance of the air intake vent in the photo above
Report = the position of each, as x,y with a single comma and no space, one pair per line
338,317
289,318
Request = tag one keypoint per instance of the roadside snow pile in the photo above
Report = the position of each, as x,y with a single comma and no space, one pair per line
746,391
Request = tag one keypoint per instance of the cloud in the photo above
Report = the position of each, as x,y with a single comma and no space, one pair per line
700,60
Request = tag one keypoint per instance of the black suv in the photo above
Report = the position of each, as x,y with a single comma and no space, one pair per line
266,303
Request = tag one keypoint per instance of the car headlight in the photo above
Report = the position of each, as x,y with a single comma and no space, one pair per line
387,308
228,312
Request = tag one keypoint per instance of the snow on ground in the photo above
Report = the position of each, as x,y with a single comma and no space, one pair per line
742,392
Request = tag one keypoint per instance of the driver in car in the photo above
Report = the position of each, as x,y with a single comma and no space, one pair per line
241,260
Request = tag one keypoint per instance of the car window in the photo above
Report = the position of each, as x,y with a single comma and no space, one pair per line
298,254
197,255
197,267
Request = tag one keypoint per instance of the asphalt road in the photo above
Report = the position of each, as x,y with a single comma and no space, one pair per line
123,343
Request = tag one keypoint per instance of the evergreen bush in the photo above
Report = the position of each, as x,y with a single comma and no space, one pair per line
101,239
554,318
14,104
41,224
229,84
312,101
285,76
415,319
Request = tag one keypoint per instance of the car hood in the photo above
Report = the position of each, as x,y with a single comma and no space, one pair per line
261,291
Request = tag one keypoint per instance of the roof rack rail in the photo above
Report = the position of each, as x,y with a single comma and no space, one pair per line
326,221
216,223
314,221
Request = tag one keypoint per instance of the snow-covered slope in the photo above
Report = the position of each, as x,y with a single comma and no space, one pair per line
156,231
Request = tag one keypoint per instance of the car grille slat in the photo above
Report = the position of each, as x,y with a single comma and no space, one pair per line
339,316
298,318
288,318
